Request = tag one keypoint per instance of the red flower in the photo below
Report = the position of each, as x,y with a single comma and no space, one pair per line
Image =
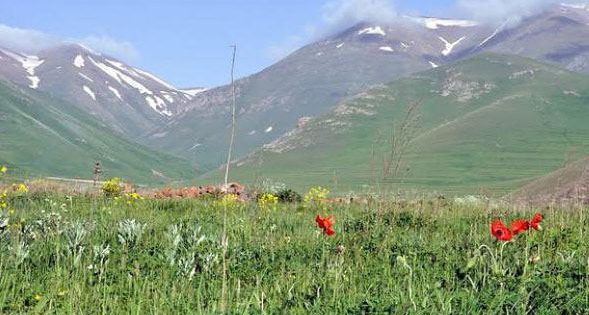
500,231
325,224
535,223
519,226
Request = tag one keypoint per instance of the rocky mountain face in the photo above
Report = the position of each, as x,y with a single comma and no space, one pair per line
127,99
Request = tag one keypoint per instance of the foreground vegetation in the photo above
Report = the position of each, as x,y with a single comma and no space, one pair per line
85,255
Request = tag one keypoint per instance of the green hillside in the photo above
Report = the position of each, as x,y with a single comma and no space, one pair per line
491,124
42,136
569,183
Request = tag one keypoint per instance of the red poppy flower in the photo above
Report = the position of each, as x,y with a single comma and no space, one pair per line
535,223
325,224
329,232
519,226
500,231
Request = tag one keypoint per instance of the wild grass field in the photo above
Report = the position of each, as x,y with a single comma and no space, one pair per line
89,254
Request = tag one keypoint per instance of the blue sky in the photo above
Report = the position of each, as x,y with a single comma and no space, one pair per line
187,42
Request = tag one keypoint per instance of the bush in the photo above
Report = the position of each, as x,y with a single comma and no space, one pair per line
112,187
288,195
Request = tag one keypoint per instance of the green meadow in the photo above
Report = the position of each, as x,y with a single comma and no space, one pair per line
90,255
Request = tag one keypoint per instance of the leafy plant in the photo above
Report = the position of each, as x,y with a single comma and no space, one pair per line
288,195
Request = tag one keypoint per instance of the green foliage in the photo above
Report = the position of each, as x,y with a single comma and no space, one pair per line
288,195
113,187
83,256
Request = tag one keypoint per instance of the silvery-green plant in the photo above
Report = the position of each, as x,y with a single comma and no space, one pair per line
4,220
28,233
51,224
187,250
187,267
74,236
20,251
195,237
100,259
174,238
209,261
130,232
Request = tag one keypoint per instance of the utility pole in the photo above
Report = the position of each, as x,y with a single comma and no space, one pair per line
225,240
232,139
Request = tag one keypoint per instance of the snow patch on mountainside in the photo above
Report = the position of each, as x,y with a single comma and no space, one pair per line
340,45
434,65
168,97
449,46
122,67
377,30
268,129
386,48
89,92
85,77
153,101
156,79
121,77
79,61
34,82
578,6
497,30
158,105
115,92
193,92
29,63
435,23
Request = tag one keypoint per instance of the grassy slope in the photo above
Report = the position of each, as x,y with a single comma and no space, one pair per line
43,136
573,176
515,129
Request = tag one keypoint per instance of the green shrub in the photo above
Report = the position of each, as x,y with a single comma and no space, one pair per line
288,195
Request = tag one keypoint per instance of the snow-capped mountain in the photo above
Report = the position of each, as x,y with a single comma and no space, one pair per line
313,79
128,99
307,83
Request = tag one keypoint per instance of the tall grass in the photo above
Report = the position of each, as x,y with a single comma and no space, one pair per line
97,256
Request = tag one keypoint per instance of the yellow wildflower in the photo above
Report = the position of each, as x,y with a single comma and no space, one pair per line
22,188
316,197
3,169
268,201
37,297
228,200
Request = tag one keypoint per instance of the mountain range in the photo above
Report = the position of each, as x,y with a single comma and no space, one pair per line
319,82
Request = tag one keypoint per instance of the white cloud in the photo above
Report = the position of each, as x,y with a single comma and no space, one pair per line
25,39
31,41
110,46
342,13
337,14
499,11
